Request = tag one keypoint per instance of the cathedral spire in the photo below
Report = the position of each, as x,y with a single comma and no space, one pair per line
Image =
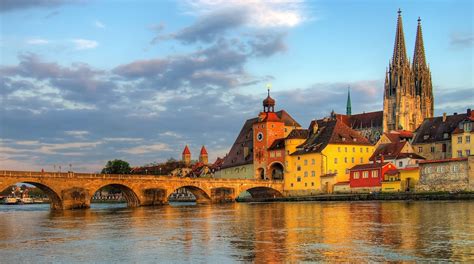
348,105
419,60
399,50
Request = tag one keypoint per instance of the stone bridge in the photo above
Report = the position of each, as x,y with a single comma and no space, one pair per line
75,190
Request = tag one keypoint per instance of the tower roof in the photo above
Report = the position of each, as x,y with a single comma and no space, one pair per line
419,59
186,150
399,50
348,105
203,151
269,101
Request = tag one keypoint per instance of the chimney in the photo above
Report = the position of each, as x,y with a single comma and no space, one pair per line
381,159
468,112
444,117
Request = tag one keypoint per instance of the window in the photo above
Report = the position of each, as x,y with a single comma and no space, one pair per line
459,153
445,135
420,149
375,174
305,162
400,164
455,168
345,159
298,179
291,185
361,160
306,174
299,158
338,149
365,174
335,160
312,184
313,161
298,168
467,127
345,149
313,173
347,171
353,149
367,150
468,152
305,184
353,160
361,150
356,175
459,140
433,149
468,139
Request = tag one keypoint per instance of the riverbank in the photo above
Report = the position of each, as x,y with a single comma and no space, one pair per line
426,196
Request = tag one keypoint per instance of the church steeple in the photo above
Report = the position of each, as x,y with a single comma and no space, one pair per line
419,59
348,105
399,50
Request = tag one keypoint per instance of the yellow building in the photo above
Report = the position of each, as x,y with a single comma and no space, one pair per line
318,162
404,180
462,139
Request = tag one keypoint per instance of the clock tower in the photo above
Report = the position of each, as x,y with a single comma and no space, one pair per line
266,130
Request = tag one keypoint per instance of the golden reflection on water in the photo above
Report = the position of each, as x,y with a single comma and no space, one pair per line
255,232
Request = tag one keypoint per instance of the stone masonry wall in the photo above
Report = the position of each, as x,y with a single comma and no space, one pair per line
445,176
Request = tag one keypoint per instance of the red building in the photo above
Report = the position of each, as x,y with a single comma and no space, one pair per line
369,176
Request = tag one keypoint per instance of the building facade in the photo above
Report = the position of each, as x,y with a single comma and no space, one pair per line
462,139
408,91
368,177
451,175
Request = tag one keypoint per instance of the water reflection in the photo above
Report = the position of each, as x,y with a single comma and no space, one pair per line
257,232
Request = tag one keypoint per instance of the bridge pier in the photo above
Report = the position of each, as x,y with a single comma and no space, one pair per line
154,197
75,198
223,195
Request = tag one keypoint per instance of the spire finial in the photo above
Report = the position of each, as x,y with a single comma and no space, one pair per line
399,12
269,86
419,20
348,105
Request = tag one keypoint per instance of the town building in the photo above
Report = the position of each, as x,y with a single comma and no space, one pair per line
321,161
398,152
368,177
256,153
451,175
462,139
186,156
433,138
401,180
369,125
408,93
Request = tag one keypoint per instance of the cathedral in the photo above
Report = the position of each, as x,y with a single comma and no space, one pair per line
408,93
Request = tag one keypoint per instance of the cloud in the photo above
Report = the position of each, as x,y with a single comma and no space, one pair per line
123,139
99,24
37,41
462,40
14,5
77,133
82,44
216,18
147,149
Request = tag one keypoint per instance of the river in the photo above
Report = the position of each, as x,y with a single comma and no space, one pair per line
241,232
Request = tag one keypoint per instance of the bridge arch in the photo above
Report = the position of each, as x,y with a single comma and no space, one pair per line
55,199
263,192
128,193
202,196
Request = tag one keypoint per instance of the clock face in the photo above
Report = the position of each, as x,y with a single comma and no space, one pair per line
260,136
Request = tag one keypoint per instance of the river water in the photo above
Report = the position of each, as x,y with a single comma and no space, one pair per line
240,232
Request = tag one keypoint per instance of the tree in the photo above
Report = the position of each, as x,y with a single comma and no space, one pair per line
116,167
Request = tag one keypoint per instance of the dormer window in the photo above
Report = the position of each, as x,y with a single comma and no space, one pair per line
343,139
445,135
425,137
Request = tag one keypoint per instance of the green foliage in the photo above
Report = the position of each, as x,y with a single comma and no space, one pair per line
116,167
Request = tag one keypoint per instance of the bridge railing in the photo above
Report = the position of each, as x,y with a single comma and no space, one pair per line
23,174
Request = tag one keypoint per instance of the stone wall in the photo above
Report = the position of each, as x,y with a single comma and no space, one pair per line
448,175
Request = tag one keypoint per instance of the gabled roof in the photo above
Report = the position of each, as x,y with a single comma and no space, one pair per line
364,120
277,144
298,134
433,129
329,131
388,150
368,166
399,135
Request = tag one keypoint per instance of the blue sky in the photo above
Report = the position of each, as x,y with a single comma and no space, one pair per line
88,81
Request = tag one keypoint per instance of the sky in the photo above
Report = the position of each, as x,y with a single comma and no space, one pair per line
84,82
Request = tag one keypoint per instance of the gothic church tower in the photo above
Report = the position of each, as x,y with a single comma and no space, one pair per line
408,93
422,78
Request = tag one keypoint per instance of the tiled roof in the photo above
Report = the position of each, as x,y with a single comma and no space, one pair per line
186,150
364,120
388,150
396,136
203,151
371,165
329,131
277,144
245,139
298,133
434,129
